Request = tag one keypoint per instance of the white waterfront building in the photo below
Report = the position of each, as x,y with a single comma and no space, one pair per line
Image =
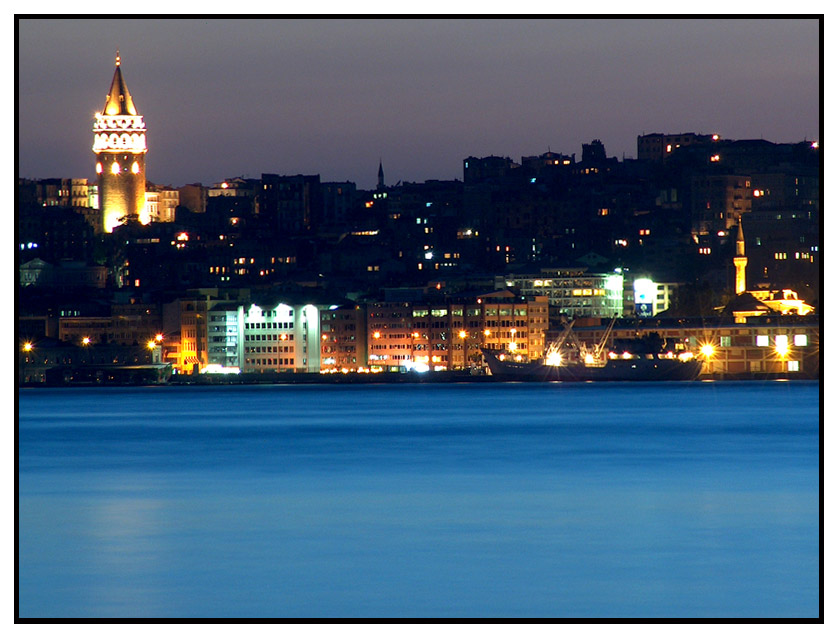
265,337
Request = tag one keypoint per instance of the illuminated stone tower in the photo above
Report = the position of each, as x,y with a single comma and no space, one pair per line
740,261
119,141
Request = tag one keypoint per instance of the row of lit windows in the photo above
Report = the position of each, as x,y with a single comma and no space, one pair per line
115,168
270,362
780,256
270,313
268,349
799,340
275,325
274,337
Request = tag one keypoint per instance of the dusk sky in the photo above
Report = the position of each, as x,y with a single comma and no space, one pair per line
223,98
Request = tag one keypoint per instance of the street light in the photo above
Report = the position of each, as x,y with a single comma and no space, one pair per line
463,334
27,348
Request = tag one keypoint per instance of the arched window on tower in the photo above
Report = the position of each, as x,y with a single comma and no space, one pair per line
115,168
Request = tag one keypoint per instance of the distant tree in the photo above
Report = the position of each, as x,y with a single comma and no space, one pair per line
697,300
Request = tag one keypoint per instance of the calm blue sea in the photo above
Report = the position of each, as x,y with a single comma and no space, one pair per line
462,500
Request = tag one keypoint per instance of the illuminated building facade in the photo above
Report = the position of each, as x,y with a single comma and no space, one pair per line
262,337
119,142
515,324
448,335
785,346
161,203
278,337
343,338
647,298
574,292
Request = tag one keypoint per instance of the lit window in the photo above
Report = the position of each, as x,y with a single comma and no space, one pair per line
98,168
762,340
135,168
115,168
799,340
792,366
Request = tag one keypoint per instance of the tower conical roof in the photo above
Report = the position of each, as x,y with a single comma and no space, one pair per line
740,246
119,100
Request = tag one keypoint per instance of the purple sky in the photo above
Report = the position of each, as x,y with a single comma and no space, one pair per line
223,98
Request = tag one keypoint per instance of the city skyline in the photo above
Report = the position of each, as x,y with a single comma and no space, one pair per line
332,97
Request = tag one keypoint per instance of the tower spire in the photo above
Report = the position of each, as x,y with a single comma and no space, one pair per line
381,182
740,260
118,101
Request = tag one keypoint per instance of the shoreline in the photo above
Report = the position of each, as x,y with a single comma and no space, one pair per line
355,378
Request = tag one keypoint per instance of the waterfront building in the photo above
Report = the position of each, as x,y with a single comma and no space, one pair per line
224,343
119,142
280,337
54,362
127,324
447,334
263,334
389,334
343,338
780,345
514,323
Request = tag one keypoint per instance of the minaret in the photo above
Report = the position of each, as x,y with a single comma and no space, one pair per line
381,184
740,261
119,141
